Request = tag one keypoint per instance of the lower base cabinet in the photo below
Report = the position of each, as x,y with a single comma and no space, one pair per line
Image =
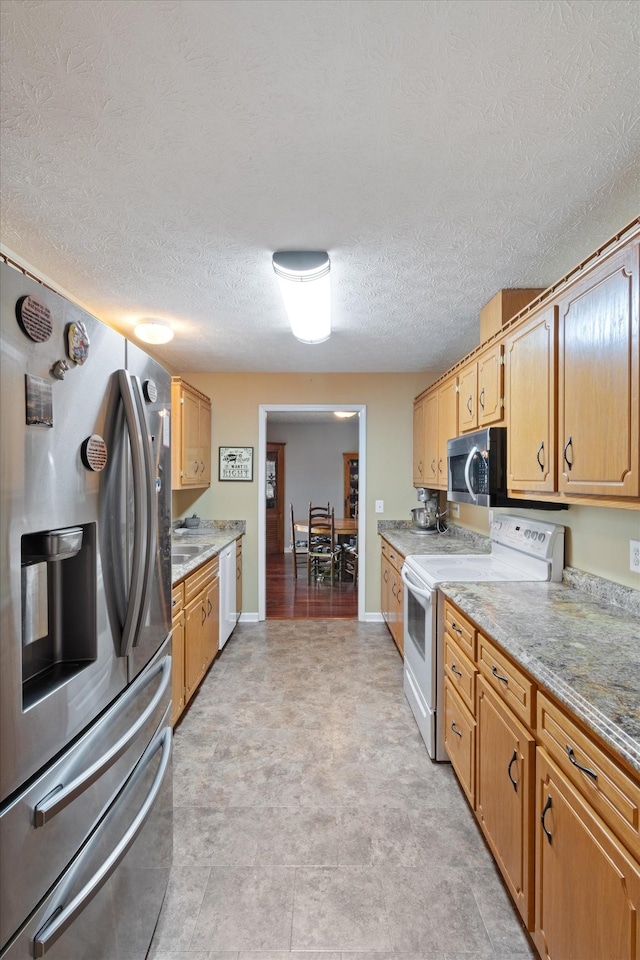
177,653
588,886
392,593
559,812
196,631
504,794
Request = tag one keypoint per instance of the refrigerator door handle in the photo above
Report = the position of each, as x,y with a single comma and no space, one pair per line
62,919
149,487
139,472
60,797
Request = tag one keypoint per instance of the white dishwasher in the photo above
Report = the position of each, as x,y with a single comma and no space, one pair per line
227,574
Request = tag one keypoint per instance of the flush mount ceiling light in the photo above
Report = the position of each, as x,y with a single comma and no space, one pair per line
344,414
303,277
153,331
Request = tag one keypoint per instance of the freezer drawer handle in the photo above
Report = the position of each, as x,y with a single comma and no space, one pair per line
55,926
61,796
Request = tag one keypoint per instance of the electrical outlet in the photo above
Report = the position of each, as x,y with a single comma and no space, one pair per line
634,556
454,509
379,506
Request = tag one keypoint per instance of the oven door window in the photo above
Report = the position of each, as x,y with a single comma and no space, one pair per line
416,623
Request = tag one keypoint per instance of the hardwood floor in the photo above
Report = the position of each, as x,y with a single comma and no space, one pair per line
289,599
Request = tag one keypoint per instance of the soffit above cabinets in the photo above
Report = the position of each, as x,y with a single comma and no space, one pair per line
155,154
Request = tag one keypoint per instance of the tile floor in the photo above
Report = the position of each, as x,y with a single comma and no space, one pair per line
310,821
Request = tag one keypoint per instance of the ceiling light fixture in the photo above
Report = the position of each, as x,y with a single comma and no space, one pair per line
344,414
153,331
303,277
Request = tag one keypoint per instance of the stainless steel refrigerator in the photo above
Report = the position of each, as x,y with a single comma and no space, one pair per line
85,648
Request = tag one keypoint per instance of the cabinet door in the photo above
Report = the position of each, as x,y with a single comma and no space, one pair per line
587,885
460,740
386,579
418,443
598,392
177,667
194,621
398,618
238,578
505,756
430,470
204,443
467,406
531,440
490,404
447,425
211,625
190,453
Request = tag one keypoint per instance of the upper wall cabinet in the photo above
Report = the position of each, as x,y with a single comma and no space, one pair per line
481,398
190,437
530,353
598,391
435,421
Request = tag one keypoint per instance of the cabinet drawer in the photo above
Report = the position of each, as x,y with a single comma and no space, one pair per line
177,599
460,671
198,580
459,740
508,680
392,555
611,792
461,629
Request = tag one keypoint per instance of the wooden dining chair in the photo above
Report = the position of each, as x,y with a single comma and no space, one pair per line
323,548
299,544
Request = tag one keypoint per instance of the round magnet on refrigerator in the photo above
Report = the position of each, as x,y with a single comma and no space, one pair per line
150,391
94,453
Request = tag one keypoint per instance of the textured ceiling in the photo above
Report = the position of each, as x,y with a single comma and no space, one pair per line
155,153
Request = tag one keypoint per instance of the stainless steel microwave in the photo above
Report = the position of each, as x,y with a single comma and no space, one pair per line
477,468
477,471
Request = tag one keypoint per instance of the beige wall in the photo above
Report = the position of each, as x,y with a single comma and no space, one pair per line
235,400
596,538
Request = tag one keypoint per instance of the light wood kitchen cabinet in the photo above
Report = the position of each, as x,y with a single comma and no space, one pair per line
559,811
392,592
177,652
201,623
435,422
587,884
598,374
505,752
530,362
481,396
190,436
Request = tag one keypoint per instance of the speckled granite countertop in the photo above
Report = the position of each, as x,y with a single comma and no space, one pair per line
584,649
212,535
455,540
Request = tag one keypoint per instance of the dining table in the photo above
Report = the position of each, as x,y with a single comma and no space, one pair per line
343,526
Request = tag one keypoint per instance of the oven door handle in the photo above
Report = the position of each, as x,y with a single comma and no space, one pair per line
414,587
467,473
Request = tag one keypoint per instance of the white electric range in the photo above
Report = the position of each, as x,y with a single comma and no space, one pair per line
521,549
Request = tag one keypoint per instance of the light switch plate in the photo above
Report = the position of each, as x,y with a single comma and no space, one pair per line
379,506
634,556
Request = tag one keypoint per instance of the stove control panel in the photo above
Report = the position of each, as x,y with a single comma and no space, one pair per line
534,537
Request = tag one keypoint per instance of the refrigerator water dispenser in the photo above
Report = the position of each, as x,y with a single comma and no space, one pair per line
58,575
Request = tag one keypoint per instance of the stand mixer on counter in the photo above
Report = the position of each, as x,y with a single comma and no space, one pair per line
428,517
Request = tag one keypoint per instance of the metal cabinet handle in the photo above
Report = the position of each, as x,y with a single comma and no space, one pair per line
540,450
547,806
440,465
457,732
568,444
202,466
457,629
455,670
204,616
56,925
498,676
420,467
511,763
210,607
385,576
480,400
469,404
393,589
578,766
433,466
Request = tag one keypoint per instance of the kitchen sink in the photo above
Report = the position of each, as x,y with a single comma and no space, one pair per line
185,552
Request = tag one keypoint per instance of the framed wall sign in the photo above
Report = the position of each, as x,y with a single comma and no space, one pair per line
235,463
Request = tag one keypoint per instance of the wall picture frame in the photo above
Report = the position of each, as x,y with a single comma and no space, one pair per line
235,463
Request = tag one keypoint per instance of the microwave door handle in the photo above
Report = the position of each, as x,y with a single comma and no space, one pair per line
411,585
467,473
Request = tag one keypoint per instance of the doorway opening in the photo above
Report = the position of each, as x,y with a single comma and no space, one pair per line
304,414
